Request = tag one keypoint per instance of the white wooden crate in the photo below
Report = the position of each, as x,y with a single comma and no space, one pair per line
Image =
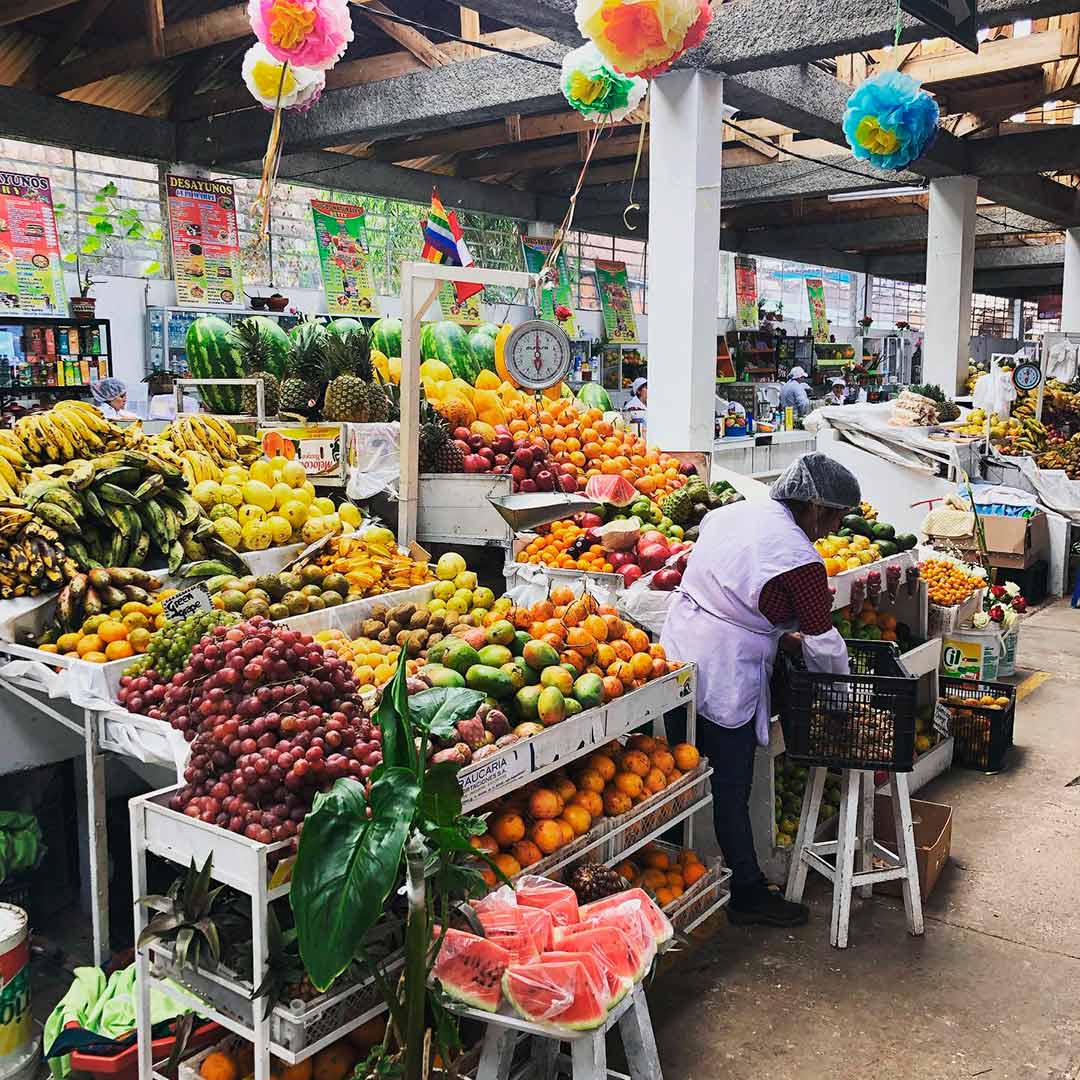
454,509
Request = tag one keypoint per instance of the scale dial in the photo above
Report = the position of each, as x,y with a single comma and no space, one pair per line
1027,376
538,354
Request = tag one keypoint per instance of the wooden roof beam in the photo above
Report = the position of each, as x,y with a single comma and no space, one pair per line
56,51
154,14
429,54
14,11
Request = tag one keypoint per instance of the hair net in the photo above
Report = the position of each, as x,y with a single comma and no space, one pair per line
797,372
817,479
107,389
638,384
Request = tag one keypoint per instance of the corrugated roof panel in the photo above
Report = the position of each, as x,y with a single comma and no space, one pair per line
17,52
134,91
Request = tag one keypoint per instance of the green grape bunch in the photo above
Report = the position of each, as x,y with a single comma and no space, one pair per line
170,647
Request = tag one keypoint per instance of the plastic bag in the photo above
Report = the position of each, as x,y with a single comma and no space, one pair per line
507,925
994,392
541,892
374,459
543,992
460,945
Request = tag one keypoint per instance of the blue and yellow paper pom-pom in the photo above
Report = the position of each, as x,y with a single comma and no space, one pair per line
595,89
889,121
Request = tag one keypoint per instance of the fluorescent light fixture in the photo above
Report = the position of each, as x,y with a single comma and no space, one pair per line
877,193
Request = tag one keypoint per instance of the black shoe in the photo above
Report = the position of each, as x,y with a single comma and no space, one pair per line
766,907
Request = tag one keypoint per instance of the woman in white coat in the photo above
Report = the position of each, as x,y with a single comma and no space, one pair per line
754,581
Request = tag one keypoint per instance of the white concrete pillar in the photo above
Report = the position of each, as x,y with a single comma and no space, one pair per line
1070,285
685,145
950,266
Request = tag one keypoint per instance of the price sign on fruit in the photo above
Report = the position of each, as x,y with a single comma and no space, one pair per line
189,601
538,354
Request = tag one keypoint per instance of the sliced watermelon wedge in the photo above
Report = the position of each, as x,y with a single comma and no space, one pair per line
471,968
508,927
621,958
630,918
540,924
558,994
661,929
541,892
608,988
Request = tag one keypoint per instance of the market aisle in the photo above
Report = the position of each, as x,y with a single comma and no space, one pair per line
990,991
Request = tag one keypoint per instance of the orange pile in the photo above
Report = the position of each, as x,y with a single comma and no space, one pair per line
663,872
591,637
588,445
551,550
116,636
947,583
544,816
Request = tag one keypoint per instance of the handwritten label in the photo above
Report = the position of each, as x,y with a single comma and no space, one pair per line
480,782
942,719
190,601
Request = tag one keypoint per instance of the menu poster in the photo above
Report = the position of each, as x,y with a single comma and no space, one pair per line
819,318
616,302
343,257
746,298
466,312
536,249
31,273
205,243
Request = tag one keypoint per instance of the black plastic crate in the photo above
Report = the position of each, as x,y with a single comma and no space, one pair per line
1031,579
982,734
865,720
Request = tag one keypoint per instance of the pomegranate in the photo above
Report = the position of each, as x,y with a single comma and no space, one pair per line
476,463
630,573
652,556
666,579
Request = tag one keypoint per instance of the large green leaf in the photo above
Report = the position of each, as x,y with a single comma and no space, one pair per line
346,866
392,718
438,710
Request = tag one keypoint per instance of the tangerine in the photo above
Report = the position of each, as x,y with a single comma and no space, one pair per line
616,803
579,818
645,743
629,783
591,779
526,853
567,830
218,1066
663,760
655,781
636,761
693,872
547,836
485,842
592,802
507,865
686,756
544,804
119,650
111,630
602,764
507,828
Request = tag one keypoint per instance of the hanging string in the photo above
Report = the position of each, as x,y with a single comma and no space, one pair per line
899,26
632,205
271,165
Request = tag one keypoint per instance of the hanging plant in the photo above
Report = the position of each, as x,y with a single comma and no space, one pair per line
889,121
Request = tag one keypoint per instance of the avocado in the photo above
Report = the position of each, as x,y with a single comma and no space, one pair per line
906,541
858,524
882,531
886,547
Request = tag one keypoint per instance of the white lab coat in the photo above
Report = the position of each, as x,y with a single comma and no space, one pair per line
714,618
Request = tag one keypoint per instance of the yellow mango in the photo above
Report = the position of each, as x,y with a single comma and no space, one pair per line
486,380
381,364
394,364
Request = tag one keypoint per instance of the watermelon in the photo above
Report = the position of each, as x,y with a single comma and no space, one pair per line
341,327
471,968
210,355
610,945
386,336
607,987
482,345
489,328
614,490
631,919
320,328
540,924
448,342
508,927
541,892
559,994
594,396
279,342
657,920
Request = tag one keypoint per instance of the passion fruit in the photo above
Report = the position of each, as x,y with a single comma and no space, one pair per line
336,583
296,602
331,598
312,574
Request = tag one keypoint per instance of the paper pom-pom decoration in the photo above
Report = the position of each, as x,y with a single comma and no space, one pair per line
597,92
643,37
299,88
889,121
306,33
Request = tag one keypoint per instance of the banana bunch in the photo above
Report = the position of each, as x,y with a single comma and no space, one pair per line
13,466
1022,436
249,448
205,434
100,591
32,557
71,429
122,508
194,464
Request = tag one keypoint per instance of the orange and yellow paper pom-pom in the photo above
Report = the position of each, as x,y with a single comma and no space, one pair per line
643,37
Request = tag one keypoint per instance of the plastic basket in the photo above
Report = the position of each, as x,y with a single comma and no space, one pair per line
982,734
865,720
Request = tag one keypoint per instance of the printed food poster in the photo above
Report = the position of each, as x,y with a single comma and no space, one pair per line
616,301
205,243
343,258
746,297
466,312
536,250
31,272
819,318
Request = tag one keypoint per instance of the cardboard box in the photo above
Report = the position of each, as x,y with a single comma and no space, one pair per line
1013,542
933,839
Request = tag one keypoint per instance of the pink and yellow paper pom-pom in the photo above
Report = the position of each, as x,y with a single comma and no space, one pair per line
306,33
643,37
263,75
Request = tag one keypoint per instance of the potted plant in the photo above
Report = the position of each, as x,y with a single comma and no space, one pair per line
865,323
82,306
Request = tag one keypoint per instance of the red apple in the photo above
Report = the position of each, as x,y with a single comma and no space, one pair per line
523,456
528,487
545,481
619,559
487,452
665,580
652,556
476,463
501,460
462,433
518,473
503,444
681,561
476,441
630,573
567,482
590,521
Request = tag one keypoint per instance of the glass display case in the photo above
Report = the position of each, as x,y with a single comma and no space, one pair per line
51,357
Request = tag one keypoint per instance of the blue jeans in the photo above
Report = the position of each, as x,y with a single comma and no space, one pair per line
731,754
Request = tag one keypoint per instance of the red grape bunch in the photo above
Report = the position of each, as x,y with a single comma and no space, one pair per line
272,719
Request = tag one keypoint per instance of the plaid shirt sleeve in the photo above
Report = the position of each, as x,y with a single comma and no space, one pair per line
801,596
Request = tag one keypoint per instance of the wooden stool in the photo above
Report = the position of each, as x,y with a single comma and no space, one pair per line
588,1051
856,817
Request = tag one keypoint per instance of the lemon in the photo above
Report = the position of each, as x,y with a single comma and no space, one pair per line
295,513
251,513
256,535
293,473
256,493
231,494
323,505
206,493
282,493
280,529
262,470
309,487
228,531
350,514
235,474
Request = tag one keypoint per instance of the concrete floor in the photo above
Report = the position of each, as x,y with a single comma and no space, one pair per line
990,991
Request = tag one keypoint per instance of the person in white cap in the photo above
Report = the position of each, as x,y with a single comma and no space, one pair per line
793,393
637,407
837,394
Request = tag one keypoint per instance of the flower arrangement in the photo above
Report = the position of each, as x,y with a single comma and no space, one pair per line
273,83
1002,606
303,33
866,322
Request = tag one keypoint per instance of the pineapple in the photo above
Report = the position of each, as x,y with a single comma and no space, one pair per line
254,350
438,452
305,373
352,396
